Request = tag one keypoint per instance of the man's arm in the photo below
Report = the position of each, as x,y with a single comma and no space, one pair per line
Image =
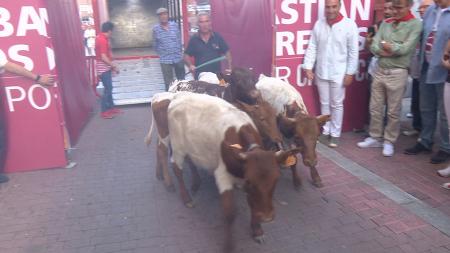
353,55
188,62
47,80
229,59
375,46
311,53
409,44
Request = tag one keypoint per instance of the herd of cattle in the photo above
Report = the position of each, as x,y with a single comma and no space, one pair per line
239,129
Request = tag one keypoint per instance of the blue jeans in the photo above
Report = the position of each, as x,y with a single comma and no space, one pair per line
432,103
107,100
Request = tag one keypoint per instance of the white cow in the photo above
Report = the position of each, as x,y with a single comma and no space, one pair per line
218,137
279,94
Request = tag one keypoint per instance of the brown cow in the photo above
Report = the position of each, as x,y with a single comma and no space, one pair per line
221,139
296,125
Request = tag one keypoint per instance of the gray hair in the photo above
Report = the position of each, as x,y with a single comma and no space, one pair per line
201,14
410,2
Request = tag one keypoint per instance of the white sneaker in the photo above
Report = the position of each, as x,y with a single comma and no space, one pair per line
410,132
369,142
444,172
388,149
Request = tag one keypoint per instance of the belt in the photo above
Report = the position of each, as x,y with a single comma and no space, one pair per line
385,71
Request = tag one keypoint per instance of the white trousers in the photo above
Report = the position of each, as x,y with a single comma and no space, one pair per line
332,97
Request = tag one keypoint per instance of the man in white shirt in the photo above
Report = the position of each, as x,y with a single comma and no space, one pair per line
333,51
19,70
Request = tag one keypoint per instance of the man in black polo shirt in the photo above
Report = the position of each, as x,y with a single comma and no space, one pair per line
205,46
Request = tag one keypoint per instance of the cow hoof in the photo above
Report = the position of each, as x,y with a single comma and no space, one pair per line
170,188
318,184
298,187
261,239
189,204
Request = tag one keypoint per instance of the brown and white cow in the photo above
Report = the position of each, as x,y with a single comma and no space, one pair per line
296,125
240,91
160,103
216,136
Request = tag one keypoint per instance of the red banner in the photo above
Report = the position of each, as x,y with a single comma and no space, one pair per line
33,113
294,21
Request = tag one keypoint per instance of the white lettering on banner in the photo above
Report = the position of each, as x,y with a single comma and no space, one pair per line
13,53
284,77
308,10
31,97
37,21
285,7
290,7
30,94
51,58
285,72
284,40
7,28
30,19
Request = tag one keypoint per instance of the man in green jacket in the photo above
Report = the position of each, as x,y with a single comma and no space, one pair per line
394,44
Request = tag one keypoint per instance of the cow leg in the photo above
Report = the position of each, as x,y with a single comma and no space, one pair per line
257,231
163,167
195,177
296,177
316,180
183,192
228,212
159,175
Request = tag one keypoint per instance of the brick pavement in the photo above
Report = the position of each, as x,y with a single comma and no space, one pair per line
112,202
413,174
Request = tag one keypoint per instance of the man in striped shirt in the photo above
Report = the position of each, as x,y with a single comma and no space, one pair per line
167,42
105,67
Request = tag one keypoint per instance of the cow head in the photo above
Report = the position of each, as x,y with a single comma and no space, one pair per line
305,131
261,170
265,118
242,85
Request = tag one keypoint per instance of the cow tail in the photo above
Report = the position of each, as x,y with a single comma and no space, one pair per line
148,137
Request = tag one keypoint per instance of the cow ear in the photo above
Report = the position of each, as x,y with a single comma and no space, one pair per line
235,150
322,119
281,156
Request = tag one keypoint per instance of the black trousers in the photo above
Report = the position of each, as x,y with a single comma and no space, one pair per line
415,105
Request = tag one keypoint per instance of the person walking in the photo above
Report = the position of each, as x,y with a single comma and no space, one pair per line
105,67
333,53
167,42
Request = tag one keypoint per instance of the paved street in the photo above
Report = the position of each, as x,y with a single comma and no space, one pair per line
112,202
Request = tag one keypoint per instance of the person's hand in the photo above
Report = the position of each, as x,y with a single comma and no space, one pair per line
309,74
115,69
386,46
46,80
348,79
228,71
192,68
446,60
